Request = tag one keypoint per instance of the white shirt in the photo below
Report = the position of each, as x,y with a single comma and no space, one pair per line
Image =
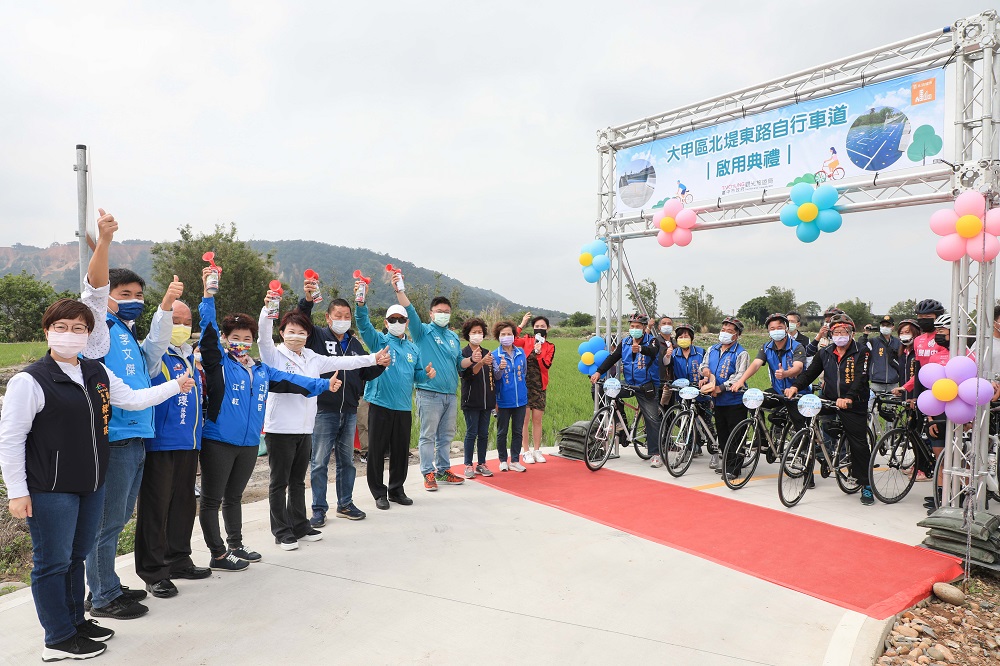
995,361
25,399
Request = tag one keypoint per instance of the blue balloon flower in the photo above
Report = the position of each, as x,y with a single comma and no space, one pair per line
827,219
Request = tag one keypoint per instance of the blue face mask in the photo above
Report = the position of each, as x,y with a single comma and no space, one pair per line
130,310
636,333
777,335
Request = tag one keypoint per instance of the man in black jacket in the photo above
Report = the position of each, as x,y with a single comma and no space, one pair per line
336,418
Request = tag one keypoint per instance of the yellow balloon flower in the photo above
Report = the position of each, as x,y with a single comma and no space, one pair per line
586,259
808,212
945,390
969,226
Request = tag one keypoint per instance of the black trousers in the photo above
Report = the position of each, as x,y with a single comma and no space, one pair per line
165,514
726,419
388,430
288,456
225,471
856,432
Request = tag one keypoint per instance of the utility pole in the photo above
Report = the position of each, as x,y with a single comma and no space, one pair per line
81,199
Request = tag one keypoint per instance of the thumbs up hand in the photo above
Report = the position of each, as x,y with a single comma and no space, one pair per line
335,383
174,291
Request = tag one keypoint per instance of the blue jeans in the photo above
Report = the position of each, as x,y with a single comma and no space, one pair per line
333,432
437,413
477,426
512,418
62,526
121,488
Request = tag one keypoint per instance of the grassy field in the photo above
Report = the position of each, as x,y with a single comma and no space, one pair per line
16,353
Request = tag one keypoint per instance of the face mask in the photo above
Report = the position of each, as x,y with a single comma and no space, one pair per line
295,341
725,338
926,325
636,333
885,330
841,340
68,344
683,343
239,349
340,326
397,328
442,318
506,340
197,357
666,330
941,340
777,335
476,338
541,331
130,310
792,326
179,334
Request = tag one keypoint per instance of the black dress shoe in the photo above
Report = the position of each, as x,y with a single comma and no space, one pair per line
192,573
382,503
401,498
162,589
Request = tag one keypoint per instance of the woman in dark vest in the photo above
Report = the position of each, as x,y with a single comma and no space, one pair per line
53,455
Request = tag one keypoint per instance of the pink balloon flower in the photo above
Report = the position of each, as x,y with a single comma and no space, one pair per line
967,229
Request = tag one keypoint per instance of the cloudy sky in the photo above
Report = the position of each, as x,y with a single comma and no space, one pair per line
459,136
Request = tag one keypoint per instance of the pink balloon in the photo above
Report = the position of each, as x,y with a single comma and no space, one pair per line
664,239
672,207
930,405
686,219
658,215
958,369
951,247
682,236
929,374
976,391
970,202
993,221
943,222
983,247
959,411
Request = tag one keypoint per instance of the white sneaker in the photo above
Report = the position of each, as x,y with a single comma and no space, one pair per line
518,467
539,458
527,457
504,467
656,462
714,462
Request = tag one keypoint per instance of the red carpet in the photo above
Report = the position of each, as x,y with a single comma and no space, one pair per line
856,571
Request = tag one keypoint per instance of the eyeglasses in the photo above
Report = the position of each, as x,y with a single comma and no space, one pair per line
840,331
396,320
63,328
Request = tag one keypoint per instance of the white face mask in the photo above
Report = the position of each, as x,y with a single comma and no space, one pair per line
725,338
885,330
476,338
340,326
792,326
295,341
906,339
397,328
442,318
506,340
666,330
68,344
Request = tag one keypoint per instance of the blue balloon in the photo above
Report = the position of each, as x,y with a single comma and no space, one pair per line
600,356
591,369
582,367
582,349
789,215
591,274
829,220
598,247
596,344
802,193
807,232
601,262
825,196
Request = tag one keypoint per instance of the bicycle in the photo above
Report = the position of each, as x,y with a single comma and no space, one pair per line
754,435
686,431
885,414
897,457
687,197
799,458
823,175
610,426
964,473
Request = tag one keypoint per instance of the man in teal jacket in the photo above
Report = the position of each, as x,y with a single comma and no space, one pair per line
391,398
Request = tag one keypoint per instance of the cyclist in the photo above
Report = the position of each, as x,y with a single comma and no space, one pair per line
639,367
831,163
785,359
724,364
924,346
682,190
844,366
906,358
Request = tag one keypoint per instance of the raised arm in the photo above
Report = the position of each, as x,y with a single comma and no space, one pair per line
265,339
416,326
373,339
97,288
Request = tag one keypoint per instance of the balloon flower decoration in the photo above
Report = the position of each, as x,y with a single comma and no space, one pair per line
594,259
967,229
592,354
811,211
675,223
955,390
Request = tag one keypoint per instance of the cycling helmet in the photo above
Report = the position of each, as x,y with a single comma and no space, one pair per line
776,316
684,327
639,318
830,311
944,321
737,324
930,306
842,319
911,322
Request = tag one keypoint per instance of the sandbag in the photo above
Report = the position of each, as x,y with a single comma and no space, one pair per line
952,519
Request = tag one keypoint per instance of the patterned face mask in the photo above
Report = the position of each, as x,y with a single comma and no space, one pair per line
239,349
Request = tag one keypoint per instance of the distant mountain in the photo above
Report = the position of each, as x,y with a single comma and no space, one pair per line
58,265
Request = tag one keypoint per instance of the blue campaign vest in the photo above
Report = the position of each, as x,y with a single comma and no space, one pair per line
639,368
688,368
179,419
125,359
782,358
512,387
723,365
241,414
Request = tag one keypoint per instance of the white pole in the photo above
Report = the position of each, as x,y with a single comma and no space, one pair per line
81,199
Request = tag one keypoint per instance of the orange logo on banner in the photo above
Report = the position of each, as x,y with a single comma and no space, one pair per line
923,91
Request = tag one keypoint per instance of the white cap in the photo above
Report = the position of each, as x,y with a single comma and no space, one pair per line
396,309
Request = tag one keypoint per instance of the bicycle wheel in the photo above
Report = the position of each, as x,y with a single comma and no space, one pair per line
600,439
638,435
842,464
680,443
796,468
780,434
892,467
744,445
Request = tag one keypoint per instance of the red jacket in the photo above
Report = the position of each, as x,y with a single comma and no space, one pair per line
544,358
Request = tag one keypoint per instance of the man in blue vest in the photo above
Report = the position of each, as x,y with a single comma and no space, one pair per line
724,364
132,362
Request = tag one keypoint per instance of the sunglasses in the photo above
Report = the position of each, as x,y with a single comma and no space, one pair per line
396,320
